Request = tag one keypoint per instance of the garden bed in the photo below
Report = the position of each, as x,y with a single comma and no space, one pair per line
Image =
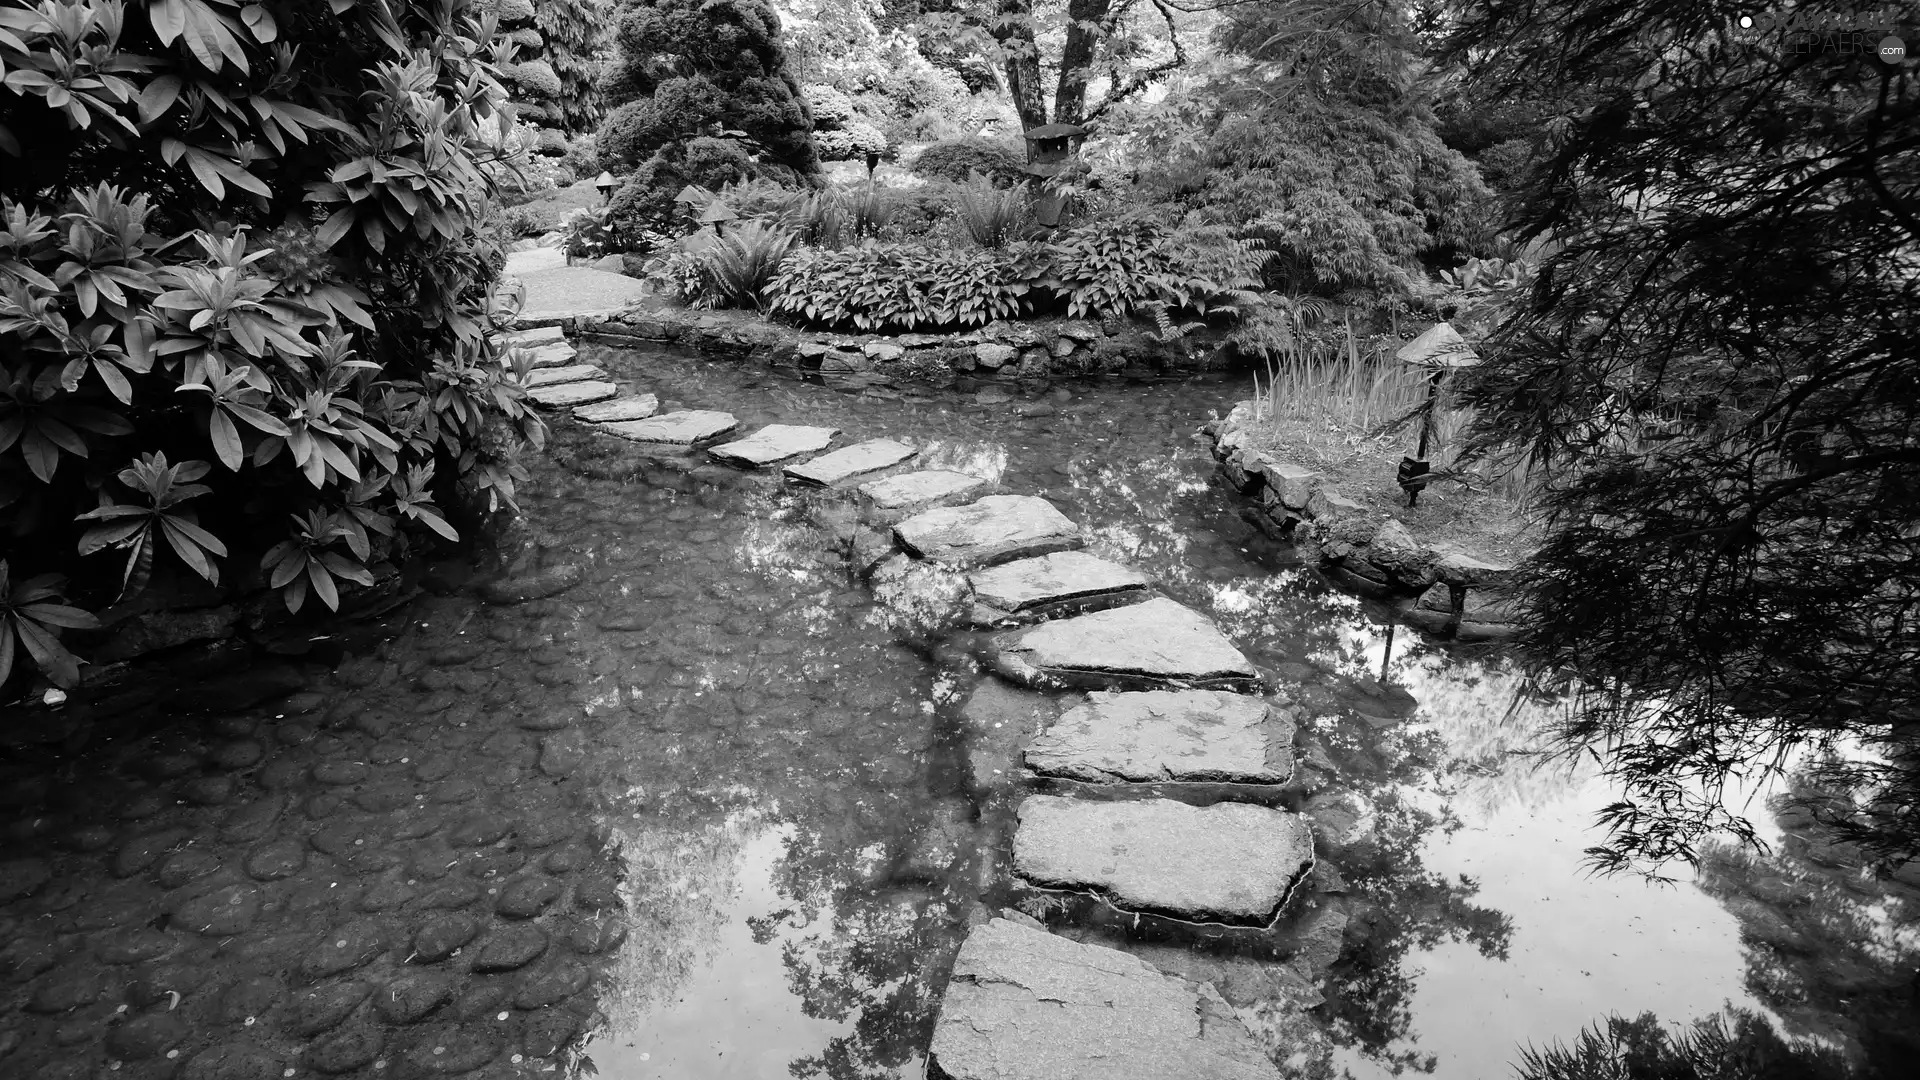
1037,349
1444,565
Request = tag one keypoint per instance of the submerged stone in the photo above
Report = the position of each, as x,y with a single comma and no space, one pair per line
1156,642
1160,735
775,443
993,530
684,428
1229,862
573,393
637,407
848,462
1024,1004
1059,577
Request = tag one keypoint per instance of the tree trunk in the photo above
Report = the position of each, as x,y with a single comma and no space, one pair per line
1086,25
1023,65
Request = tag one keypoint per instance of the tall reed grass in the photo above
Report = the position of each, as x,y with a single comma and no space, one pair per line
1356,390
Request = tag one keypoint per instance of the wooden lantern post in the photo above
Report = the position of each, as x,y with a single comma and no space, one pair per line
1440,350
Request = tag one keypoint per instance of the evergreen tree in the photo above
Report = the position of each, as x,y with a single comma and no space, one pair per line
688,68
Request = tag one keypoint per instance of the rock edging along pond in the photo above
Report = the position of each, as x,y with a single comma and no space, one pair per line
1035,349
1437,588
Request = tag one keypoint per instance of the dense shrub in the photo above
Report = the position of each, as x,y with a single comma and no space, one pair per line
205,355
831,109
644,210
898,288
856,140
956,159
1121,265
1117,268
701,64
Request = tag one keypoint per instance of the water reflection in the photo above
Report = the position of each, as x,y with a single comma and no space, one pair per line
1828,947
802,854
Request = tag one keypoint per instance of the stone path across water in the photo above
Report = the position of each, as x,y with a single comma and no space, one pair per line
1024,1002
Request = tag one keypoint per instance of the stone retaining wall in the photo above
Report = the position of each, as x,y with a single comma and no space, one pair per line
1435,587
1028,349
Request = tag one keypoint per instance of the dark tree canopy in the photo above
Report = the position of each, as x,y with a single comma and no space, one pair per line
1719,373
688,68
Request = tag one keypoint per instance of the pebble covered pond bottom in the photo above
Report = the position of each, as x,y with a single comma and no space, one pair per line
707,814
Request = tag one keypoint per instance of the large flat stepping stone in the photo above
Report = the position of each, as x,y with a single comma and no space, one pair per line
993,530
848,462
535,260
1021,587
557,294
684,428
553,355
774,444
537,337
638,407
563,395
1143,646
883,502
554,376
1024,1004
1182,736
1229,862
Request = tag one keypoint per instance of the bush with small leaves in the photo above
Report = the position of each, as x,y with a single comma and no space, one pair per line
958,159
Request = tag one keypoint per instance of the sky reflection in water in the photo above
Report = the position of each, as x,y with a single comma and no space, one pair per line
785,756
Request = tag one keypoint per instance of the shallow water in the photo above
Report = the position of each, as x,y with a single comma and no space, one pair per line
785,759
786,783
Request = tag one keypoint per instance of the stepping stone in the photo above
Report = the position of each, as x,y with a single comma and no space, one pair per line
553,356
569,373
562,395
572,292
1183,736
684,428
1024,1004
1144,645
1229,862
884,502
850,461
996,529
534,260
533,339
1018,588
775,443
638,407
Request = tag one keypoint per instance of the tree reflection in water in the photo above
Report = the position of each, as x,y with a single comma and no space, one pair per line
1832,950
1402,906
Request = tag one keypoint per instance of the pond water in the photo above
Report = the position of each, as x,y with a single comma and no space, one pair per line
777,761
792,792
